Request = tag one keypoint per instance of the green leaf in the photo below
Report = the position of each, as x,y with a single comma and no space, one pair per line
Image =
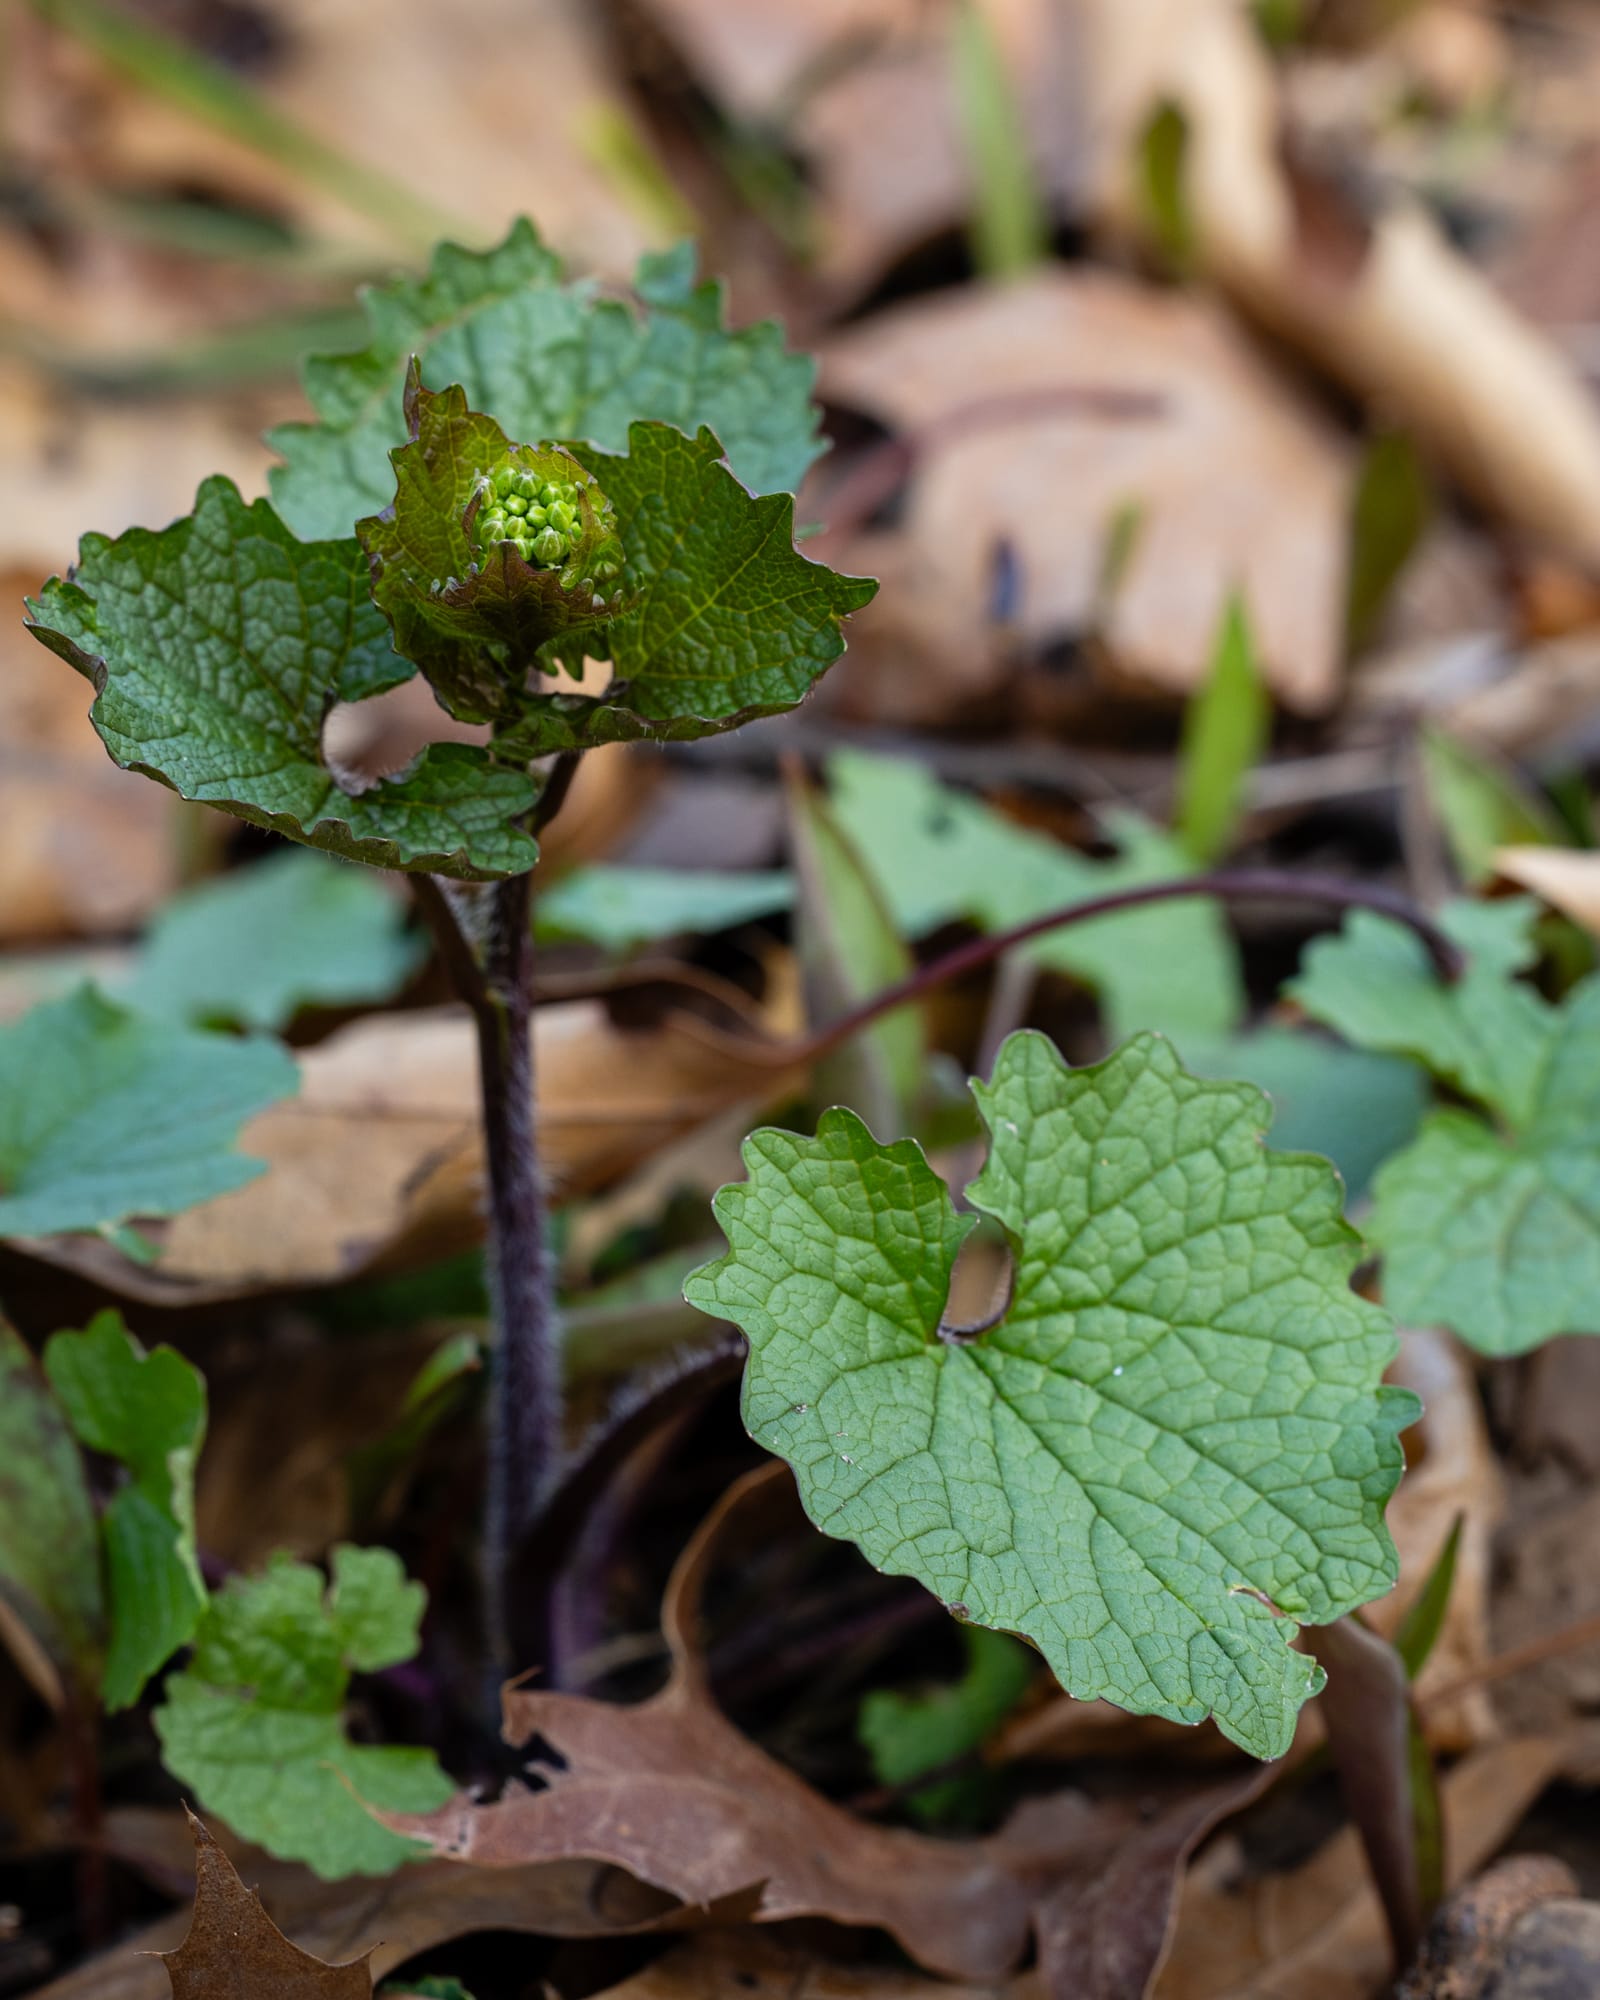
1353,1106
939,855
149,1411
620,908
1483,803
1491,1230
52,1604
1174,1447
551,362
1485,1035
1419,1630
474,608
1225,730
725,619
1164,206
105,1115
1392,503
254,1723
217,647
1010,228
849,949
908,1735
254,946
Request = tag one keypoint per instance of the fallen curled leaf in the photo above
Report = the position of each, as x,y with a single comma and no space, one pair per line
1391,308
748,1964
234,1951
1452,1472
1568,879
1317,1932
1049,482
381,1922
378,1164
672,1792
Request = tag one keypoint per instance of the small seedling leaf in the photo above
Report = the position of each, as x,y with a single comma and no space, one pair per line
254,1723
149,1411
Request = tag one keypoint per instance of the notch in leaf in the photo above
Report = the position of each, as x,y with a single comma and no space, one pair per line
1172,1449
491,551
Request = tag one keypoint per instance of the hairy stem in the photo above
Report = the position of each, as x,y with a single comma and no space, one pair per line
525,1402
1227,884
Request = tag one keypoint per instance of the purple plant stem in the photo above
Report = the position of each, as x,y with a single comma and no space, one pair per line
526,1400
1226,884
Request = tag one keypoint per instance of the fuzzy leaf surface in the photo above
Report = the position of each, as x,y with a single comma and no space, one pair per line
551,361
105,1115
1178,1424
149,1411
217,647
1489,1228
52,1603
252,947
941,855
725,619
255,1722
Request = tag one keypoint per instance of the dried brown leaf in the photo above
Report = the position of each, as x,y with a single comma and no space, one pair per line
1317,1932
234,1951
1568,879
671,1791
750,1964
1050,482
1415,329
377,1162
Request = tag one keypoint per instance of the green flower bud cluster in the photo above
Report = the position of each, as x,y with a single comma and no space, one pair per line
542,519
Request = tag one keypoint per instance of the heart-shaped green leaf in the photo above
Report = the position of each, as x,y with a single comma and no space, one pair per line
1492,1230
1172,1448
217,647
550,361
725,620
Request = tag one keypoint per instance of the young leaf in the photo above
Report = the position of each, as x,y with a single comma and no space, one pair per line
254,1722
1171,1450
254,946
1390,511
1483,803
149,1410
52,1606
1491,1230
217,647
1225,730
620,908
105,1115
551,362
908,1735
489,551
725,620
848,949
234,1951
939,854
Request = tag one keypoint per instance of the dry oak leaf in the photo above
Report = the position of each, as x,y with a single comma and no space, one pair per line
234,1951
749,1964
1317,1932
380,1165
672,1792
1238,485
